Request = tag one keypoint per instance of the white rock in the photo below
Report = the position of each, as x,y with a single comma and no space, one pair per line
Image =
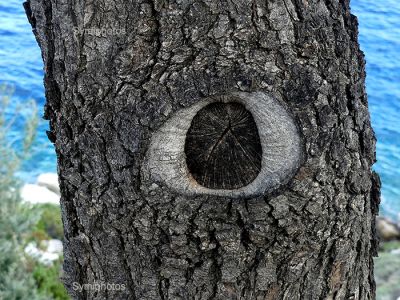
50,181
387,229
45,257
54,246
34,194
397,252
33,251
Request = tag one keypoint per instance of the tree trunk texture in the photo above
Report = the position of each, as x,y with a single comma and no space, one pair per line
116,71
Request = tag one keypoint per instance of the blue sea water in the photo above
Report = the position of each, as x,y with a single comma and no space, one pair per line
21,66
379,27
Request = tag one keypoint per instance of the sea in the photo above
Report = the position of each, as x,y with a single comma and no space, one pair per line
379,25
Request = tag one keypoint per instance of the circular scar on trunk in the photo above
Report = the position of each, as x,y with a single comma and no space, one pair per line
235,145
223,148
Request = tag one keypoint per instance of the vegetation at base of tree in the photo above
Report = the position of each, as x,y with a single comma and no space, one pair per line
21,277
387,275
49,225
47,280
389,246
16,282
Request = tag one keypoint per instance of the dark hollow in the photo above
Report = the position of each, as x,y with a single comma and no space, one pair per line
223,149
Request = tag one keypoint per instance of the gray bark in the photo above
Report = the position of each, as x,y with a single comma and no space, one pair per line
116,71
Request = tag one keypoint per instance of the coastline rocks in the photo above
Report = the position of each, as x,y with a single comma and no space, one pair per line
54,246
35,194
49,181
46,190
387,230
53,251
395,252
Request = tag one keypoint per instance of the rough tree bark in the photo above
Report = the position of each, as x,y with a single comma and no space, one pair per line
116,71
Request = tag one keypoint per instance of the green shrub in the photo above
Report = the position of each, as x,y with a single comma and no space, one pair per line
48,282
389,246
15,219
387,276
20,276
49,225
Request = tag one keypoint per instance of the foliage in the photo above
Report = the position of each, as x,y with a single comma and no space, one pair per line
49,225
10,158
20,276
389,246
387,276
47,280
15,221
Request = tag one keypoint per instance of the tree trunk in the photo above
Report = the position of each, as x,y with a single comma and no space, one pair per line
122,75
